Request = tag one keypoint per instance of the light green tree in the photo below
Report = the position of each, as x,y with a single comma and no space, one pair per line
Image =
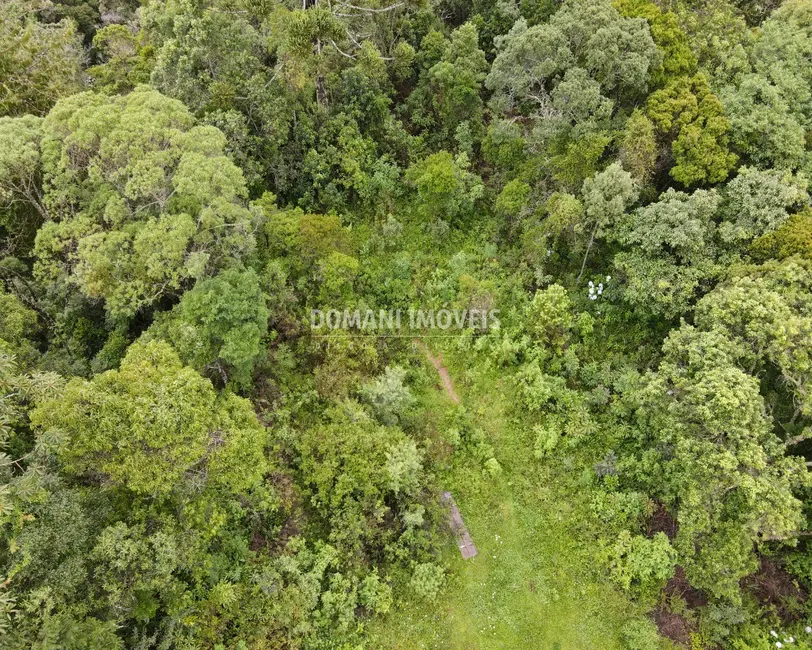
640,564
153,424
388,395
606,196
638,147
140,201
758,202
445,187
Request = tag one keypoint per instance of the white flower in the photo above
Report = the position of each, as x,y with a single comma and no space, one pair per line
608,277
774,633
808,629
778,644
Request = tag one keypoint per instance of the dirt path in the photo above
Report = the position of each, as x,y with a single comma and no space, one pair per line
437,362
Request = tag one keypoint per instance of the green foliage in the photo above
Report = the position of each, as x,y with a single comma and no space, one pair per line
218,326
671,251
21,207
512,200
640,563
589,37
638,146
549,317
758,202
763,126
139,200
388,396
569,75
640,634
450,88
17,322
728,476
547,437
689,116
358,477
678,222
607,195
678,59
127,60
445,187
39,63
794,237
164,237
153,424
204,57
427,580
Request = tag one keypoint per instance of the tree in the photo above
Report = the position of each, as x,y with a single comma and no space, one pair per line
352,470
770,103
638,147
778,54
218,326
678,223
389,398
712,456
710,418
758,202
140,202
794,237
127,60
549,317
616,52
204,57
642,564
678,59
671,251
606,196
445,187
17,324
449,90
766,312
39,63
689,116
764,129
569,76
21,202
152,424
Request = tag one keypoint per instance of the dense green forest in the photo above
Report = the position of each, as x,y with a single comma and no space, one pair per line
616,189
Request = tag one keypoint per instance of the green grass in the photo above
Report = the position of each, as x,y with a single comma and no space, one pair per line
534,583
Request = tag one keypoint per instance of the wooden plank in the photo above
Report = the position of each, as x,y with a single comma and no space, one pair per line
464,541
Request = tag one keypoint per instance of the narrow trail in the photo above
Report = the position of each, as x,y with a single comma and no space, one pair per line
437,362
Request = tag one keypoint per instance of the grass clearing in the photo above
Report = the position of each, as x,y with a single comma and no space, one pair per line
534,583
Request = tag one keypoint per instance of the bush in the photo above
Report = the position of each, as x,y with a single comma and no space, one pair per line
427,580
388,396
640,634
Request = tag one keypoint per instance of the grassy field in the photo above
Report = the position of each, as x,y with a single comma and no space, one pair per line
534,584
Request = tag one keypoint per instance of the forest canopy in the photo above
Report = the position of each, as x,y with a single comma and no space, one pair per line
620,188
